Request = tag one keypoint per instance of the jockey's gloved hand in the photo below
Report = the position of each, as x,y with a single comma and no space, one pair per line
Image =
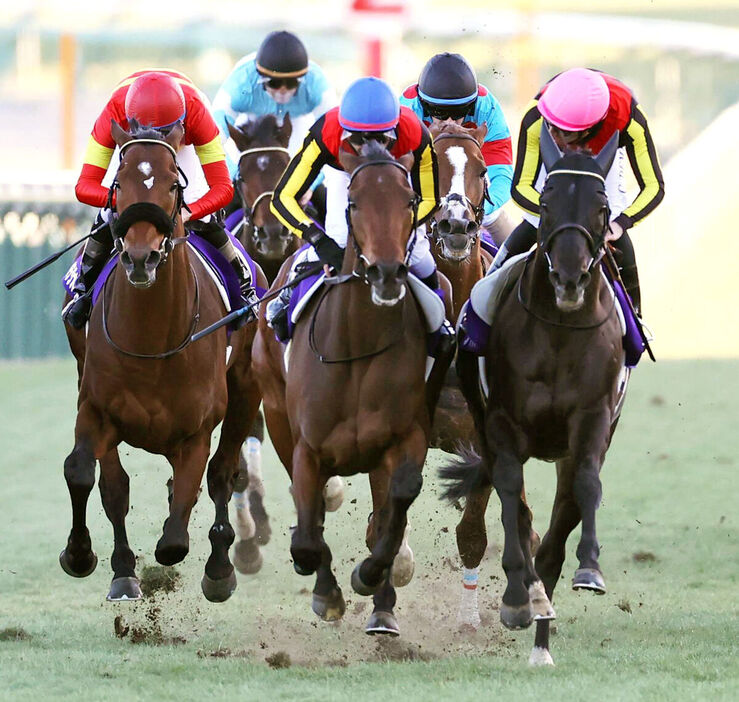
329,252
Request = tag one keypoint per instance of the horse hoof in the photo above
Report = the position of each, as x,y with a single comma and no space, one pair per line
124,589
171,554
516,617
302,571
218,590
589,579
403,567
333,493
330,607
382,623
247,557
540,656
86,569
360,587
540,603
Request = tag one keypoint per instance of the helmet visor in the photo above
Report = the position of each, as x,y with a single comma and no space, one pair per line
443,112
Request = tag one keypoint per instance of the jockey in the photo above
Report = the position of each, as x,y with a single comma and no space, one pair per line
583,108
448,90
369,111
158,99
278,79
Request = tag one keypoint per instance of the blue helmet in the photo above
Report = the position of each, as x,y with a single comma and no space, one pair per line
369,105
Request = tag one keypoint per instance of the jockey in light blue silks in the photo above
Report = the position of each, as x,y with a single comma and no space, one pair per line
447,89
278,79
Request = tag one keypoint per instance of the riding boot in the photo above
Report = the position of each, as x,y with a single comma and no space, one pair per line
276,314
77,311
520,240
249,297
630,278
443,340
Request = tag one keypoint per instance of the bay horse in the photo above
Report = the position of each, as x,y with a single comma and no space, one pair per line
353,397
141,380
554,369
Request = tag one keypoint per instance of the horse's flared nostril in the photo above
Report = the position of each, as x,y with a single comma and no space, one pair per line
444,227
584,280
152,260
126,259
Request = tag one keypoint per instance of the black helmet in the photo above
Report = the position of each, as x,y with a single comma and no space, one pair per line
447,86
282,55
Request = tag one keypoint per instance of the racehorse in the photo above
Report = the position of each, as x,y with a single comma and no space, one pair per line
142,381
263,158
554,369
455,235
352,397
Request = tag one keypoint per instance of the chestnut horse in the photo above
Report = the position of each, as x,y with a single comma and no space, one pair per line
353,396
143,382
555,373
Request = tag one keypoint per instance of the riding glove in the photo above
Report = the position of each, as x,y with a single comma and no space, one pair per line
328,250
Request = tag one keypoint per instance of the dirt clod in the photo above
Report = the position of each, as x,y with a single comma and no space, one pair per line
14,633
396,650
644,557
624,606
277,660
120,627
159,579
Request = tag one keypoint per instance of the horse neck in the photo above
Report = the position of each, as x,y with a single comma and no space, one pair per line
161,312
462,275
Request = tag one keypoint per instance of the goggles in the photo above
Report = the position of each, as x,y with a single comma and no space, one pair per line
359,138
443,112
564,135
277,83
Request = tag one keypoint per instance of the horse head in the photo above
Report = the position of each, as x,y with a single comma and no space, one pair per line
148,199
381,214
262,144
462,179
574,217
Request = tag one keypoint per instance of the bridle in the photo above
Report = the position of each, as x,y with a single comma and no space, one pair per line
249,211
596,246
165,223
360,268
596,242
477,209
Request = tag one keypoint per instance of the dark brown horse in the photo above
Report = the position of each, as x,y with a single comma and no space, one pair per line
143,382
264,157
555,377
353,397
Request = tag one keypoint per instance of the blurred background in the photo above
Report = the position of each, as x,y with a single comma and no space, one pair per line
59,62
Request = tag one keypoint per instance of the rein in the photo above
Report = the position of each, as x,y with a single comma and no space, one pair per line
164,354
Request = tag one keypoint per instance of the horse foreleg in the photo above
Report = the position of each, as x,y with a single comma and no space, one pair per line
472,542
188,465
328,600
515,610
92,438
551,553
307,485
114,494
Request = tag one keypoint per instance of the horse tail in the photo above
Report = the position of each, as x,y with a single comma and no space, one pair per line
468,473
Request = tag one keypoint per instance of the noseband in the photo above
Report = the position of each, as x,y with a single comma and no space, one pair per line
360,269
250,210
596,242
150,212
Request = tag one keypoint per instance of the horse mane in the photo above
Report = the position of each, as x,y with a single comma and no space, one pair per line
578,159
374,151
142,131
451,128
263,129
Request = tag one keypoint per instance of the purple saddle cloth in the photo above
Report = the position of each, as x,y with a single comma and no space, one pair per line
222,268
300,291
487,243
633,341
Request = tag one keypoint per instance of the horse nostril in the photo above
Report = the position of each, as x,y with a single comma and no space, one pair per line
555,277
126,259
152,260
444,227
471,228
584,279
373,274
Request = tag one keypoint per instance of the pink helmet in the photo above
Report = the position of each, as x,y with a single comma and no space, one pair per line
575,100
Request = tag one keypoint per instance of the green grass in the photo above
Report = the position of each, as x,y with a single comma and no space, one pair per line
669,491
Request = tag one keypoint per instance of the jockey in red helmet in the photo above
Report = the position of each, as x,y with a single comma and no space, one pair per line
156,99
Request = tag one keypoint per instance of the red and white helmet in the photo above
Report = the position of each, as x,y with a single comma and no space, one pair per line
155,100
575,100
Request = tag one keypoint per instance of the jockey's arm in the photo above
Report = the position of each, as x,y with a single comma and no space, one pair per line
295,181
497,152
203,134
425,176
527,164
231,102
645,164
99,152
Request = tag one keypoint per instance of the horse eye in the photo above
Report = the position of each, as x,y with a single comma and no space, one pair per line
483,174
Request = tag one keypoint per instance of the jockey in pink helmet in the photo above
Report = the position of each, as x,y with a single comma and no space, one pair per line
582,109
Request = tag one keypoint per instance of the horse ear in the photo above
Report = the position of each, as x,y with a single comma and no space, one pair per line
349,160
120,135
175,135
550,152
407,160
605,157
286,130
240,139
480,133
